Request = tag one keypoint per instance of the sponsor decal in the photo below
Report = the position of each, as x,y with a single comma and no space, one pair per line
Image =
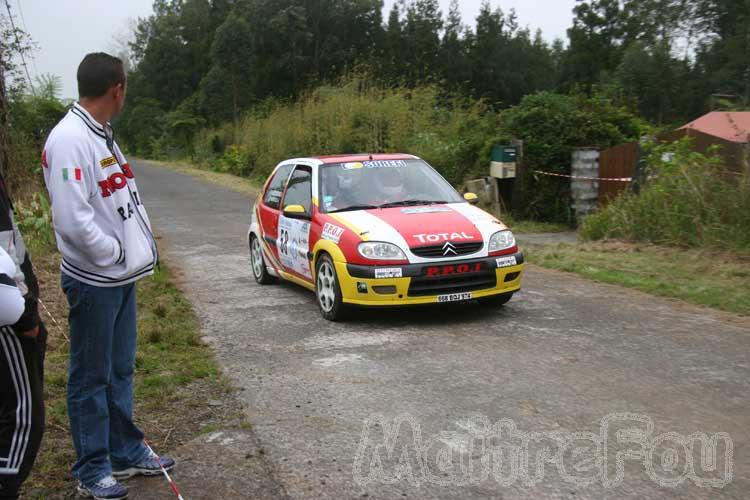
107,162
72,174
116,181
438,237
293,244
44,159
454,269
332,232
384,164
454,297
506,261
424,210
354,165
388,272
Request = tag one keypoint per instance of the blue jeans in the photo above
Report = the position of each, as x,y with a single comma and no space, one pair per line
100,379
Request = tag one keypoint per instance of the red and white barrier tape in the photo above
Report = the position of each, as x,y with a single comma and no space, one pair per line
613,179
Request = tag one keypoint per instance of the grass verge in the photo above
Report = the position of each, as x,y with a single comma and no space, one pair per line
720,280
179,389
533,227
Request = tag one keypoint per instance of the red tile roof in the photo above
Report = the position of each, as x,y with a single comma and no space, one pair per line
732,126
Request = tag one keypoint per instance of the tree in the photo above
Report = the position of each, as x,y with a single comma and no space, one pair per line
421,34
656,80
506,63
394,48
595,47
232,59
453,65
551,126
723,55
48,86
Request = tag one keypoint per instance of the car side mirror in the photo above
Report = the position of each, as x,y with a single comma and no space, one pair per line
296,212
471,198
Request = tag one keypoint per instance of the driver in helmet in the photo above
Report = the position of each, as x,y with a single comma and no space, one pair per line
341,187
389,184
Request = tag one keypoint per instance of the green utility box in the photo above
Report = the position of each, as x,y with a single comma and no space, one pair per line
503,161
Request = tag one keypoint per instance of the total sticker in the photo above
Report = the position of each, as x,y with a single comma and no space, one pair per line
506,261
332,232
388,272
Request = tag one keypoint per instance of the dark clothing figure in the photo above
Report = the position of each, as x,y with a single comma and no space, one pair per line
22,349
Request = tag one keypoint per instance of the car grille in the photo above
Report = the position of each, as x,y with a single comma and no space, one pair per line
438,251
422,285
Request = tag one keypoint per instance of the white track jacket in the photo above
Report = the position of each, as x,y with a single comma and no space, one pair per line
11,300
101,226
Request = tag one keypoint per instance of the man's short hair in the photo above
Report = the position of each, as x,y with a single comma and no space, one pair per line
97,73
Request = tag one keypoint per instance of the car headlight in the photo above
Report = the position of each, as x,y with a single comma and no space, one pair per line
379,250
502,240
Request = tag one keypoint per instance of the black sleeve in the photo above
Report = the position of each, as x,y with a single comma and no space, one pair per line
30,317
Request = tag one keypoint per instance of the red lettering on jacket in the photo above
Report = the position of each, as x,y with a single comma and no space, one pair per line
116,181
127,171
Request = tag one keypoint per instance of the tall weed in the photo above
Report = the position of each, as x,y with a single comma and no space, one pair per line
34,219
688,199
454,135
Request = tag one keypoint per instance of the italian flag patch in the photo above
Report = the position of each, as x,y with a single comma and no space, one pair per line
72,174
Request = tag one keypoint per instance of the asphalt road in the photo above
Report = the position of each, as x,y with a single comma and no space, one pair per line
533,400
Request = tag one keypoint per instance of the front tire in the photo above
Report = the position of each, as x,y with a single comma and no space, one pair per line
328,291
260,272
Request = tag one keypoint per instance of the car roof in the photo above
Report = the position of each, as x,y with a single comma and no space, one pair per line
363,157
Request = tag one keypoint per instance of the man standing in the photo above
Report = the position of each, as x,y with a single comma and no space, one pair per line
22,347
105,239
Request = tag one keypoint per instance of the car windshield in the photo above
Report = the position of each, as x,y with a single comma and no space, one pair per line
381,184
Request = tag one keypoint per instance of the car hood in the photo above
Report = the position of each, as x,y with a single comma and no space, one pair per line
425,225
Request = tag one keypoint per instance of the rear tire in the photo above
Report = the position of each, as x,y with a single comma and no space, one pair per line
496,300
260,272
328,291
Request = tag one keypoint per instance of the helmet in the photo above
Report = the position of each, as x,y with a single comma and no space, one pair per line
330,181
389,180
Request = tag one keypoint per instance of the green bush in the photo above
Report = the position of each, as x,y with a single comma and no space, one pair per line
30,118
34,218
688,199
552,126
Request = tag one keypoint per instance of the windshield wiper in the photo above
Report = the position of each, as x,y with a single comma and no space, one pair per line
353,207
404,203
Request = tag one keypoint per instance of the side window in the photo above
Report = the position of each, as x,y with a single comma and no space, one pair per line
299,190
276,186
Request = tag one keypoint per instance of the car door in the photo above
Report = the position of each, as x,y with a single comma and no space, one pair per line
270,206
294,230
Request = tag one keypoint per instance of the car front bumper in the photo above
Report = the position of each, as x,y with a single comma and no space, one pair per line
429,283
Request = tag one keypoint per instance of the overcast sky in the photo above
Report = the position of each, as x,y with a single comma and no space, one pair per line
66,30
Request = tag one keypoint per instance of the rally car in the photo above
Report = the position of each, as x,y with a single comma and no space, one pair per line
378,230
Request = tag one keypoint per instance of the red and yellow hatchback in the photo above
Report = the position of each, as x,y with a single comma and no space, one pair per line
378,230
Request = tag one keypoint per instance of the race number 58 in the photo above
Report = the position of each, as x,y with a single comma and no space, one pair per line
284,241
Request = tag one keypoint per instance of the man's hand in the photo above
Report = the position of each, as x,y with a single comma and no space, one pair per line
32,334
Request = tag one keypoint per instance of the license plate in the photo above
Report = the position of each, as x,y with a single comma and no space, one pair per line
454,297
